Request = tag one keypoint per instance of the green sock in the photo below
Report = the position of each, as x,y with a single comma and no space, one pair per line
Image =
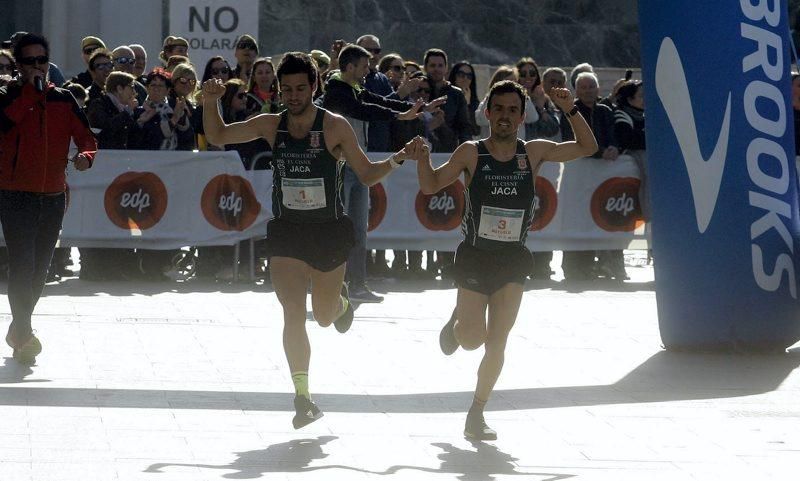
345,304
300,380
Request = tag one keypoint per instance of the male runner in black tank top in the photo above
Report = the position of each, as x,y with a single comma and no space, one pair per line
309,238
492,262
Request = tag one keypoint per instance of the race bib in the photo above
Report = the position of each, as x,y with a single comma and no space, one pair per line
303,194
504,225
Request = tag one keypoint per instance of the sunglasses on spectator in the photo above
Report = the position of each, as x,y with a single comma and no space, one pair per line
124,60
89,50
103,66
464,74
373,51
527,73
41,60
247,46
217,71
185,80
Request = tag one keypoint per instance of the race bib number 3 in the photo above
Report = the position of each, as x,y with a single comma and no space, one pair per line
303,194
504,225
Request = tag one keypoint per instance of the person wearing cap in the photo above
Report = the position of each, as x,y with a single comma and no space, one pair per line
323,61
173,46
88,46
246,53
37,123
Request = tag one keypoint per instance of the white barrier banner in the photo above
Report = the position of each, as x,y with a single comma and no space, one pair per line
582,205
165,200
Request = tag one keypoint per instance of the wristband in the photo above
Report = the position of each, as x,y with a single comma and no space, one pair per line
394,163
572,112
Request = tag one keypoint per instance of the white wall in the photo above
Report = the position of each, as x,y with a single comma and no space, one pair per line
117,22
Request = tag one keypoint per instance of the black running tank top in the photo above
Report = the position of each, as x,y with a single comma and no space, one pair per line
500,200
307,181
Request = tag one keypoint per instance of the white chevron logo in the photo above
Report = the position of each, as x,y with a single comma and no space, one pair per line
705,175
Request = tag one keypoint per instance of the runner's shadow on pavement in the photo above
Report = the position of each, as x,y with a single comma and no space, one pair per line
295,456
290,457
482,464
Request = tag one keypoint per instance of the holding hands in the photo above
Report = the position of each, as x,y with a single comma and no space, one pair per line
417,149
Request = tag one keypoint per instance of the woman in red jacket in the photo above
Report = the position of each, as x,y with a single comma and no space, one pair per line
37,122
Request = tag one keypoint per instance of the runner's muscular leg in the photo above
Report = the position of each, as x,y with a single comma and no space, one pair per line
503,309
326,288
470,327
290,278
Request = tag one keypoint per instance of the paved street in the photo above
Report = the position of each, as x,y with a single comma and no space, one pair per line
187,381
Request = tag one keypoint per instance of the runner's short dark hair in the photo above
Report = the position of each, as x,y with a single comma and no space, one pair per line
297,62
507,87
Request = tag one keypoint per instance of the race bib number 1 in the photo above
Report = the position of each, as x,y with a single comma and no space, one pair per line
303,194
504,225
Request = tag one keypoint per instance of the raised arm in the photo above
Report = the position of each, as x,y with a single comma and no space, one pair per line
433,180
369,173
584,144
218,132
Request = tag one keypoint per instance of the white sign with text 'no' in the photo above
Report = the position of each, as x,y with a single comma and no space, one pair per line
211,27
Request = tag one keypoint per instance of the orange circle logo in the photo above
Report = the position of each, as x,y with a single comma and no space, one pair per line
442,210
136,200
615,205
229,203
377,206
545,205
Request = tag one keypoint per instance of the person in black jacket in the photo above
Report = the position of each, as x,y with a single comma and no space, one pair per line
580,265
346,96
456,128
111,117
629,131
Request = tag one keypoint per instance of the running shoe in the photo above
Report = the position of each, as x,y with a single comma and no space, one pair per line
26,354
447,337
306,412
343,322
476,428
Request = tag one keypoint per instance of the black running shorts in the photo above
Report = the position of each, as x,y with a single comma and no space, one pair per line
487,271
324,245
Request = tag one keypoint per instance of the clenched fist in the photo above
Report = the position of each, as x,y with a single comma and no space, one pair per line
562,98
213,90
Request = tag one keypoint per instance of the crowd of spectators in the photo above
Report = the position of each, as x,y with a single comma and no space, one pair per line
132,104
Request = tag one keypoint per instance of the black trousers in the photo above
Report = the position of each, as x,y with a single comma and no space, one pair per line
31,225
